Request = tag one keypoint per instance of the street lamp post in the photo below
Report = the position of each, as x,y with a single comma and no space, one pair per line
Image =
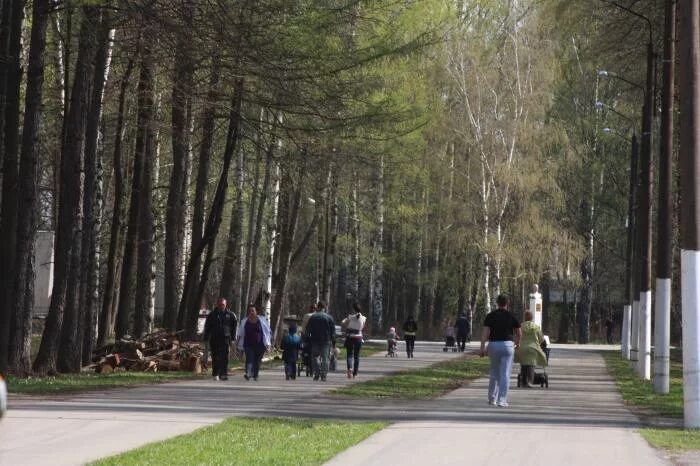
664,257
689,60
626,340
644,210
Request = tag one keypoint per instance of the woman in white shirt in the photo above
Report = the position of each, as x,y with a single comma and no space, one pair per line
354,324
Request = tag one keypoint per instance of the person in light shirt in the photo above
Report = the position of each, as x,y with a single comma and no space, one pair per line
354,324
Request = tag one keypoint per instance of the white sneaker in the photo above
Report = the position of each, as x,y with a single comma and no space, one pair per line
502,404
216,378
492,403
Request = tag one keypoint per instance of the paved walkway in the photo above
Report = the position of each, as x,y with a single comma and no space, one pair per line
580,419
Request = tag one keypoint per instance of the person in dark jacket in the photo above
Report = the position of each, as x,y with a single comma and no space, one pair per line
462,328
219,329
291,344
321,332
409,334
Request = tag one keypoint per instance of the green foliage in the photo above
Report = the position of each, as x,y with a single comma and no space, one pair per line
675,440
75,383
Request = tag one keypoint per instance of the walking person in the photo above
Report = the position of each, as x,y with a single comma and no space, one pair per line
502,331
462,328
609,327
254,338
530,352
291,344
219,329
354,324
410,327
320,330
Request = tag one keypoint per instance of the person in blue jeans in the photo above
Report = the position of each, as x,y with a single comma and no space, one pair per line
254,338
502,330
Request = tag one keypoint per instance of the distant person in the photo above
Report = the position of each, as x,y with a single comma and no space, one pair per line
392,339
530,352
410,327
254,338
609,327
354,324
291,344
462,328
219,329
321,332
502,330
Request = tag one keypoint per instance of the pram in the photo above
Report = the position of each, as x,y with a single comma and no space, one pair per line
450,343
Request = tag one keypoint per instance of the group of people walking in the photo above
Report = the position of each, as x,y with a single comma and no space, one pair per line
502,330
253,337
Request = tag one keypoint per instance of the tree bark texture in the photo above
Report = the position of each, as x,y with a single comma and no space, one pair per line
110,300
183,82
63,321
145,146
23,282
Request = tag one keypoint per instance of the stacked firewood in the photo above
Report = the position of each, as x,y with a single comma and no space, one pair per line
158,351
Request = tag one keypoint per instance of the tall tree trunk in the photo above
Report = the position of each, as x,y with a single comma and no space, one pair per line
89,294
183,82
145,146
257,233
267,288
331,235
23,284
289,219
230,287
213,221
193,268
110,299
10,81
378,284
63,321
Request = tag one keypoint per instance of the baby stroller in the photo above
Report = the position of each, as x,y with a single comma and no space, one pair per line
450,343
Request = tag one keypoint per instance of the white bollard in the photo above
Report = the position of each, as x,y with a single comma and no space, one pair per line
644,356
690,302
625,339
662,335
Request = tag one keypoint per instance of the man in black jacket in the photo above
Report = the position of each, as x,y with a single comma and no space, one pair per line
219,329
320,330
462,328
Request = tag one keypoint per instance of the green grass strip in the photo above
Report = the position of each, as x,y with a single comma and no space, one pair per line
640,394
672,439
75,383
274,441
424,383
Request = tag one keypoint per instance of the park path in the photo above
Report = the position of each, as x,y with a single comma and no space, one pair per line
73,430
580,419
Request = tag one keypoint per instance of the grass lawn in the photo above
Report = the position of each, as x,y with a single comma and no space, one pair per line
672,439
640,396
423,383
274,441
74,383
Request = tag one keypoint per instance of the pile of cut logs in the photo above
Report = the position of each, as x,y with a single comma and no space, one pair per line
158,351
